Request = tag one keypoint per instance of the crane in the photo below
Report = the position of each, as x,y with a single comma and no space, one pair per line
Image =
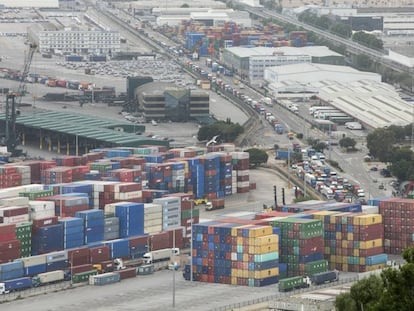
11,138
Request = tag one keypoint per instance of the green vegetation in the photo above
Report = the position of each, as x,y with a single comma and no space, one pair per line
257,156
347,143
317,144
392,290
227,130
368,40
386,145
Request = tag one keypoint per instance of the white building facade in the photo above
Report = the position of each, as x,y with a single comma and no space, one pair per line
80,42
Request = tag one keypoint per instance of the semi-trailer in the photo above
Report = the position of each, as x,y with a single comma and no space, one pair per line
160,255
48,277
15,285
325,277
295,282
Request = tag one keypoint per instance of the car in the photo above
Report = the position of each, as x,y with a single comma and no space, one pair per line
374,169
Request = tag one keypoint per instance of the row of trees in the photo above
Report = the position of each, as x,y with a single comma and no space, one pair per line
343,30
392,290
226,130
388,146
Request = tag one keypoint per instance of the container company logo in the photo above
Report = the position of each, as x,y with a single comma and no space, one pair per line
47,222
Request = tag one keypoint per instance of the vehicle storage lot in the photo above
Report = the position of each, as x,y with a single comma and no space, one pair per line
147,293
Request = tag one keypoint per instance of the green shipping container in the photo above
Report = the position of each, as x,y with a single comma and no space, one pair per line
291,283
84,276
314,267
33,195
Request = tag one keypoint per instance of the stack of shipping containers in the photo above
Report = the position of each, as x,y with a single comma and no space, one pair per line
398,217
152,218
301,245
353,242
171,212
234,253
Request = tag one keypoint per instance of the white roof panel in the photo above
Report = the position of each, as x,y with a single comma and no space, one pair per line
30,3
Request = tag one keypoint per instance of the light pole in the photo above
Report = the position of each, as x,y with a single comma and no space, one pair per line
173,302
191,243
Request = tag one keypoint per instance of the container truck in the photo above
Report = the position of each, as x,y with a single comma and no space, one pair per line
279,128
267,101
160,255
283,154
48,277
292,283
215,204
353,125
325,277
15,285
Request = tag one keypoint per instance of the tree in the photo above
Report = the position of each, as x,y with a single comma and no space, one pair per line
185,5
368,40
227,130
380,144
347,143
366,292
341,30
257,156
344,302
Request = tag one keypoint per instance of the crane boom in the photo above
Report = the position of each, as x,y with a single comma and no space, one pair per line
23,79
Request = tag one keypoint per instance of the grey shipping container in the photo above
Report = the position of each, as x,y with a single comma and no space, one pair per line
56,256
104,279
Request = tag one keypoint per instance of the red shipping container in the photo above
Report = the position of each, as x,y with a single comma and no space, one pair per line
14,211
7,229
10,245
79,256
139,241
127,273
43,222
99,254
81,268
107,266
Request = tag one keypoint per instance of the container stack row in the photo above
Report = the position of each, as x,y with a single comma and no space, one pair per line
301,245
398,217
234,253
240,174
353,242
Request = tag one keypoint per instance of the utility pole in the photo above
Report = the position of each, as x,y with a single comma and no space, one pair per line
275,196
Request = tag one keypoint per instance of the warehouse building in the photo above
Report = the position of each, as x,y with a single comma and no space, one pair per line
51,38
164,101
207,17
250,63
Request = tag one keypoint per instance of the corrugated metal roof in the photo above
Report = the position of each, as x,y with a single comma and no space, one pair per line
30,3
88,127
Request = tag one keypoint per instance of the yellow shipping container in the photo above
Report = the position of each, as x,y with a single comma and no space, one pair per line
344,243
370,244
339,236
245,257
362,261
321,215
234,272
333,259
239,240
375,267
355,252
327,250
259,231
261,274
234,230
233,280
344,259
345,267
264,240
350,237
369,219
263,249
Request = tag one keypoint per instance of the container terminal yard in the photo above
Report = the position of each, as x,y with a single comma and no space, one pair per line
126,212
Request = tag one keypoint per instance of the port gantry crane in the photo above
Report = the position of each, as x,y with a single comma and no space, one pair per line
11,138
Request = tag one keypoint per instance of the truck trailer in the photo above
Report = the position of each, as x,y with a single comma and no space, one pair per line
160,255
15,285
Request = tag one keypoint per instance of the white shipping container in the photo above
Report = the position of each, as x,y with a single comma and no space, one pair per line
42,214
239,155
33,260
168,201
152,229
16,219
52,276
368,209
153,216
37,206
243,184
128,195
152,208
153,222
243,173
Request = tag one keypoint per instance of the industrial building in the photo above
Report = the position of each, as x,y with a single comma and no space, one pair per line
51,38
251,63
207,17
166,101
360,95
29,4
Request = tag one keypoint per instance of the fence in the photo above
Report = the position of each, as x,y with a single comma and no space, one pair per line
280,295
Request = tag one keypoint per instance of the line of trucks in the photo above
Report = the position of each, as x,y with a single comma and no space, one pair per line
298,282
144,265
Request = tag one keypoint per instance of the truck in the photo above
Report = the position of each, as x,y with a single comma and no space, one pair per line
48,277
279,128
121,264
325,277
267,101
215,204
295,282
160,255
353,125
15,285
283,154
